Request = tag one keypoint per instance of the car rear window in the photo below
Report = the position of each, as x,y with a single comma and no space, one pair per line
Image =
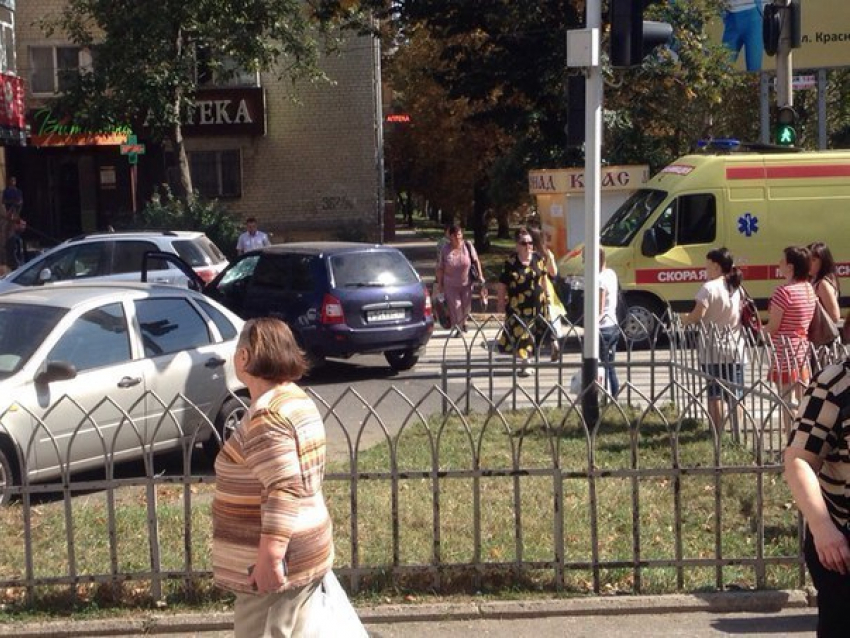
198,252
372,269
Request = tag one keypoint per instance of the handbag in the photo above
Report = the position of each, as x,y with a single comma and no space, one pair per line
822,329
750,322
441,310
845,331
474,271
330,613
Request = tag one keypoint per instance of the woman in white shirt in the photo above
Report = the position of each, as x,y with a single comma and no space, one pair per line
721,348
609,329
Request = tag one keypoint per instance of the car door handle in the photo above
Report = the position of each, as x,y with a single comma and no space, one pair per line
215,362
129,382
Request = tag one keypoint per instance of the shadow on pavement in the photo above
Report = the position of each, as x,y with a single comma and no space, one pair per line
781,625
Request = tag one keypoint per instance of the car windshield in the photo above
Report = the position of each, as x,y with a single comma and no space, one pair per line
630,217
372,269
23,328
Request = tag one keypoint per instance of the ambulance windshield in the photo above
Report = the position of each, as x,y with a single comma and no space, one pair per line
630,217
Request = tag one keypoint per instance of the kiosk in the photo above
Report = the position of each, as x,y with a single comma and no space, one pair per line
560,200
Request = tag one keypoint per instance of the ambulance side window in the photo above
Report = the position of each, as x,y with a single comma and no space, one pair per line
697,219
665,228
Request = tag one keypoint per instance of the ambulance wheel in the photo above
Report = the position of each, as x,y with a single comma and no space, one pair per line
641,327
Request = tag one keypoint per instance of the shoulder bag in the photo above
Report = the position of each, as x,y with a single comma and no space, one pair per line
474,271
750,322
822,329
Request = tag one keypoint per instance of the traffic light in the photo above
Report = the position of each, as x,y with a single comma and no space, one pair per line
575,110
786,121
772,19
632,37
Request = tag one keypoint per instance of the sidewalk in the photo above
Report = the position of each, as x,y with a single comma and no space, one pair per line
761,613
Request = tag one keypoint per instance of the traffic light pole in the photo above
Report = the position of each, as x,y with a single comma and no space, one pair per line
592,206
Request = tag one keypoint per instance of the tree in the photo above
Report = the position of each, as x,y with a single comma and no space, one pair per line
507,61
147,55
679,95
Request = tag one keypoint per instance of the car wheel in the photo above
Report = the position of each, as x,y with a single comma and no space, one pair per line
228,419
401,360
7,476
640,327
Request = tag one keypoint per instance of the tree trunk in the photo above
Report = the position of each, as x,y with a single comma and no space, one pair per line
185,191
479,216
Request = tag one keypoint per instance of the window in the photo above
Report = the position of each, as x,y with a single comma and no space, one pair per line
688,220
225,326
372,268
7,46
98,338
220,71
217,173
697,219
170,325
74,262
52,68
128,257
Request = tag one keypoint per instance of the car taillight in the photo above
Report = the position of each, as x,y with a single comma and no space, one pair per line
429,310
332,310
206,274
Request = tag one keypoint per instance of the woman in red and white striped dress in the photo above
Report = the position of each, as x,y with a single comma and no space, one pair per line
791,309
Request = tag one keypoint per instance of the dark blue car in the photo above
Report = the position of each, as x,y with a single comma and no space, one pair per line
340,299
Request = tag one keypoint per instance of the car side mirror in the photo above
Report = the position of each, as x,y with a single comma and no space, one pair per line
649,245
45,275
56,371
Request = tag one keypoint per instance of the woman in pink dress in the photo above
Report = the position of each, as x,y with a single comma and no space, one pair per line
791,309
453,277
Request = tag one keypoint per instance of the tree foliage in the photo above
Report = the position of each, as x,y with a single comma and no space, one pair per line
146,55
506,62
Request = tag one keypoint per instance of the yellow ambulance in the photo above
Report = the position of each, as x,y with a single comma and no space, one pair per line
754,203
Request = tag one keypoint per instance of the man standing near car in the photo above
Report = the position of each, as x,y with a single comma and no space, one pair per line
16,254
251,239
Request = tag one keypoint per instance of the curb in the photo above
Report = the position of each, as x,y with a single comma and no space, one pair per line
183,624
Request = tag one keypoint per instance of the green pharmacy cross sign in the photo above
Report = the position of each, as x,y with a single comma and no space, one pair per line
132,149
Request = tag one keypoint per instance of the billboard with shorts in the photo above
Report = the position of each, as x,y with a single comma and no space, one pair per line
825,34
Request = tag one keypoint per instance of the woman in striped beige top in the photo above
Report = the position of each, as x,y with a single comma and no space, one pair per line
272,535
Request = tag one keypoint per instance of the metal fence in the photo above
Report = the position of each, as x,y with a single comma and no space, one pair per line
483,478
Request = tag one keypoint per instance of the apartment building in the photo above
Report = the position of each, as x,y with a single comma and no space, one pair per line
305,159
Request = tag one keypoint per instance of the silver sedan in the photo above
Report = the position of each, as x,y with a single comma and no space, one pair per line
92,374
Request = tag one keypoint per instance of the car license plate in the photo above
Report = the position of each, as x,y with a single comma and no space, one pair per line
384,315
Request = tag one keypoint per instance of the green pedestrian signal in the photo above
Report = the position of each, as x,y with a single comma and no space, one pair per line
786,135
786,119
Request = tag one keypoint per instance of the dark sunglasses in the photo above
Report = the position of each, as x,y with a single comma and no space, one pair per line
525,243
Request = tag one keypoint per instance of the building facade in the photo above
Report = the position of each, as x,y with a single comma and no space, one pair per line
305,159
12,124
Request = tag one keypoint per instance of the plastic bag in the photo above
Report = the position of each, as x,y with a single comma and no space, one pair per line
330,613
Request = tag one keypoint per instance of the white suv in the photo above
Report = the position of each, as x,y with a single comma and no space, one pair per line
118,256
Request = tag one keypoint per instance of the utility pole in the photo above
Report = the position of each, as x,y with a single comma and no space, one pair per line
583,51
632,38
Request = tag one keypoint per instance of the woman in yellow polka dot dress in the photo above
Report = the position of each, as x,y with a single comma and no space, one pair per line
522,297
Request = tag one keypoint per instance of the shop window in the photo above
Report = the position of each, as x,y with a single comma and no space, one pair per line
216,173
52,69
